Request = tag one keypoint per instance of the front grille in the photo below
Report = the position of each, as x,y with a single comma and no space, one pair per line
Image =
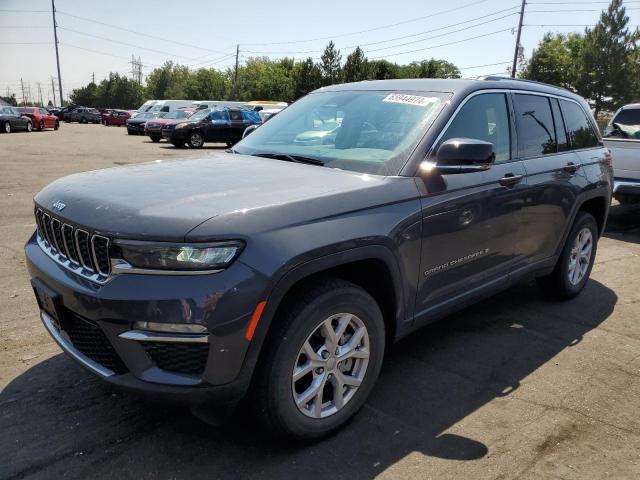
89,339
79,250
178,357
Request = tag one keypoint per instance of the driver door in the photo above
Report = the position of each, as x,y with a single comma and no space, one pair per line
472,222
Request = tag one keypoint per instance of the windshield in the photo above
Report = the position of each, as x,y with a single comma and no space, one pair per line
176,114
626,124
199,115
364,131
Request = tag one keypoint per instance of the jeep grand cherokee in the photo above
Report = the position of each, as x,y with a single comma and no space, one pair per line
283,269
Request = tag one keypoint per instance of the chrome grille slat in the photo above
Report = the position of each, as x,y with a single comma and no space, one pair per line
79,250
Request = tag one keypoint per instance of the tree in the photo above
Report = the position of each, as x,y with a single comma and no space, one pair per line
430,69
553,61
330,65
607,68
85,96
11,100
356,67
383,70
307,77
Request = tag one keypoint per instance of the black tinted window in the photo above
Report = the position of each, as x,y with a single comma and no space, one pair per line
484,117
579,129
561,133
235,115
536,132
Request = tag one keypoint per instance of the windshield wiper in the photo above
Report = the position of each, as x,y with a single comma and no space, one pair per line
290,158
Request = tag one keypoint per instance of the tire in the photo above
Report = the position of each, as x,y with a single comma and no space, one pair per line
6,128
561,284
29,127
195,139
83,120
129,132
178,144
155,139
41,126
104,122
57,126
298,323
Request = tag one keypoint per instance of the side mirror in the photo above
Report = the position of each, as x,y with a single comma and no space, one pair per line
464,155
249,129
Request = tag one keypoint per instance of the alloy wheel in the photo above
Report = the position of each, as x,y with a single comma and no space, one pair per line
330,366
7,127
580,257
29,126
196,140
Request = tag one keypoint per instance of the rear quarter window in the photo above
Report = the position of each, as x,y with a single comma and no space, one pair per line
579,129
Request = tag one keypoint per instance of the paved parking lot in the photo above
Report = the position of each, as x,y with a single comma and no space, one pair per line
514,387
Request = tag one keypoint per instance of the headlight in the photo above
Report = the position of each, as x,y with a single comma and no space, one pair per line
182,125
176,256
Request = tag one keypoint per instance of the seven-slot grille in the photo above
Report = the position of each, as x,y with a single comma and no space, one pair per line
79,249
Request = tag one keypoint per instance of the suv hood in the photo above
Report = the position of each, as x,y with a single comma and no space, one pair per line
166,200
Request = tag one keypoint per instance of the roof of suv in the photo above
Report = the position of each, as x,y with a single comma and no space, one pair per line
453,85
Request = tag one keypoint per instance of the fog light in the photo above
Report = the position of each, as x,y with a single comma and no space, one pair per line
170,327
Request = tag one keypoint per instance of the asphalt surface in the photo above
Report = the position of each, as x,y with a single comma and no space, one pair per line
513,387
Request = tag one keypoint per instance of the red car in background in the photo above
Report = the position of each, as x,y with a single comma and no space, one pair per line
116,117
153,127
41,118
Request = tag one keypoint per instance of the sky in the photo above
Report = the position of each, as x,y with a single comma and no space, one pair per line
98,37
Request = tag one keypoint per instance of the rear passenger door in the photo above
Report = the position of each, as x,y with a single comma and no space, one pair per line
472,222
554,175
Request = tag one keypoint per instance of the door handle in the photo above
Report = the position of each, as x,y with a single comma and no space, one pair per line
571,167
510,180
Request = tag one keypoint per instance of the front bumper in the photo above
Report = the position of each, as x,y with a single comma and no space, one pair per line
135,127
93,324
174,134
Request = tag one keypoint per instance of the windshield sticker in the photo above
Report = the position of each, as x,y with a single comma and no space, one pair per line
416,100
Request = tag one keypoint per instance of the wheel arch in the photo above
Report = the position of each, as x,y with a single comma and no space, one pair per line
373,268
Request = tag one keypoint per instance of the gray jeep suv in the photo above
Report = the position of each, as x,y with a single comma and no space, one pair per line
283,268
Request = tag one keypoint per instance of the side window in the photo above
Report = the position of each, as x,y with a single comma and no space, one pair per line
235,114
218,115
44,112
561,133
536,132
626,124
579,129
165,109
484,117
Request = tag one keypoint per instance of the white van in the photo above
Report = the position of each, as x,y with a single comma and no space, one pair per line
146,106
170,105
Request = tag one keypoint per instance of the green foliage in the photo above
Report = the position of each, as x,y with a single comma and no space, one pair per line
330,65
307,77
430,69
602,65
356,68
383,70
113,92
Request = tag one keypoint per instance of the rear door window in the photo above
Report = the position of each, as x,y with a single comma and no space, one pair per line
561,133
579,128
484,117
536,131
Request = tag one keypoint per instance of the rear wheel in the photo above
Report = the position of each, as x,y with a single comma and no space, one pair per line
324,359
6,127
41,125
573,269
57,126
29,127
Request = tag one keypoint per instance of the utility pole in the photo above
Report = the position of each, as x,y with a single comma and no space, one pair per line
515,54
55,36
93,77
22,86
53,89
235,75
40,93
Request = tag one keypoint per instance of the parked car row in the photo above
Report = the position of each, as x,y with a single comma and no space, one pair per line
14,119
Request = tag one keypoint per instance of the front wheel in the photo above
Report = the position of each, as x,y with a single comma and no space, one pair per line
83,120
29,127
155,139
195,140
57,126
573,269
7,127
41,125
322,362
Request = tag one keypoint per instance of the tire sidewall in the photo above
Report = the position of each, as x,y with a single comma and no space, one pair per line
280,397
190,140
6,128
582,221
29,127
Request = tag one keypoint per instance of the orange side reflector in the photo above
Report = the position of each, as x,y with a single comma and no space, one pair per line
255,318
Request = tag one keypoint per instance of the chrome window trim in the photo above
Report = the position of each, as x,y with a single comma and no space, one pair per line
78,250
93,253
68,347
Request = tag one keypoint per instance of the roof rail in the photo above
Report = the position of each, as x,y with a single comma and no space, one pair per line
496,78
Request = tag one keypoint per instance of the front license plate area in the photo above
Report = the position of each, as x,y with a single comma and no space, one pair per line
48,300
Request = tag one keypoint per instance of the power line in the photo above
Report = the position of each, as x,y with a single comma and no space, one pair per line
25,43
445,44
409,36
391,25
23,11
135,32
